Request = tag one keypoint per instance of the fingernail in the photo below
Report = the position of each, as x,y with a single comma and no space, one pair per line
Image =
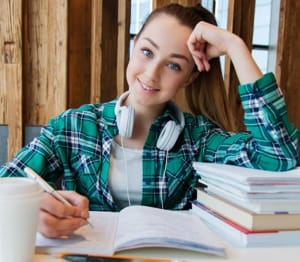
84,214
83,222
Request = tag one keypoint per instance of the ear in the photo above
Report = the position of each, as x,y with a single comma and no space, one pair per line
191,78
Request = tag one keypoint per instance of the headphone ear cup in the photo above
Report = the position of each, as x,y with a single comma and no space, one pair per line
125,121
168,136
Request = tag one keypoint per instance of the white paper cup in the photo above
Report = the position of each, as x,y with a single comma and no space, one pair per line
19,208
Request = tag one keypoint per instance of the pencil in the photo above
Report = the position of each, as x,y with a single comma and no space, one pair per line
48,188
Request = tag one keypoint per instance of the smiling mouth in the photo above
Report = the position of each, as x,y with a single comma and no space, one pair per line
147,87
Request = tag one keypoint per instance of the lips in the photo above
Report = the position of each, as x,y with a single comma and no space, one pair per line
146,87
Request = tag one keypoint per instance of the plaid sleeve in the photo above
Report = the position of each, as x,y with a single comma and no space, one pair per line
271,140
267,120
265,111
37,155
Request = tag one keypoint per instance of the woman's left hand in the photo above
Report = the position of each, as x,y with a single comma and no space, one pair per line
208,41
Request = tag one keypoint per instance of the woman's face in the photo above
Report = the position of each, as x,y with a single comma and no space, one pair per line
161,63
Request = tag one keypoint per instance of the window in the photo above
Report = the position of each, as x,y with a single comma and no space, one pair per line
262,52
261,33
139,11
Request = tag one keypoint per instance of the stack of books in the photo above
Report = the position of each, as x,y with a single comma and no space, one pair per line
249,207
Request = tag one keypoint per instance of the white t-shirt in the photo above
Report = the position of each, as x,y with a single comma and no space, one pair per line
125,175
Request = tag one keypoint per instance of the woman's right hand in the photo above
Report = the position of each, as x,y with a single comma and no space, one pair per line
57,219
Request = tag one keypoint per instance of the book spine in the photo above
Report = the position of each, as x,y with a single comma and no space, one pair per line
223,229
234,233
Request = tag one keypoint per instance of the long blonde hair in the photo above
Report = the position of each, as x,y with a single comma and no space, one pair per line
206,95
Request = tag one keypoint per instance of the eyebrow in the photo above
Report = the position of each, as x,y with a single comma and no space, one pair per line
175,55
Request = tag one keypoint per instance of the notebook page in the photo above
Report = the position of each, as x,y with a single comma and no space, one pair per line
96,240
142,226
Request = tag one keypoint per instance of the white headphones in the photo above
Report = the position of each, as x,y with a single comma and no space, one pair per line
167,137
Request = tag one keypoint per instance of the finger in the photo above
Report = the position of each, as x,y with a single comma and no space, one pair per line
79,201
53,206
195,47
75,198
206,64
202,63
198,63
198,50
51,226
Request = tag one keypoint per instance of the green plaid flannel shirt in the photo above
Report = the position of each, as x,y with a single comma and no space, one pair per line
77,144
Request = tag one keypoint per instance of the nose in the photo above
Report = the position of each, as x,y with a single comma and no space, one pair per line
152,71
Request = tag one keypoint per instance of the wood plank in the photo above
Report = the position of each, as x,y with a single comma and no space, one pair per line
79,52
240,21
11,72
45,59
288,57
57,64
105,48
109,50
96,51
3,85
123,44
7,52
3,98
14,109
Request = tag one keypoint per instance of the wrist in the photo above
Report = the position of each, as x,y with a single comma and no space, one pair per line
236,46
243,62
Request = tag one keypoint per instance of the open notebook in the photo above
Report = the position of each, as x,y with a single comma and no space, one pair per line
136,227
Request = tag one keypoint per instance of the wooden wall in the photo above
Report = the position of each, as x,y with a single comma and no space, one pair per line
288,57
57,54
240,21
11,72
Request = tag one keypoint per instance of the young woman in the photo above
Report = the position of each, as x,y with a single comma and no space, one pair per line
139,148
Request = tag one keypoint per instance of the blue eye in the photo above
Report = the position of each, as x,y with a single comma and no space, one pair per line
147,52
174,67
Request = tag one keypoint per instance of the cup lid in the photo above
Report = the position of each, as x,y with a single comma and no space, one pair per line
18,186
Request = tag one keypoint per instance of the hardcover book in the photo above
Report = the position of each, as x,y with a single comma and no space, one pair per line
241,236
247,219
